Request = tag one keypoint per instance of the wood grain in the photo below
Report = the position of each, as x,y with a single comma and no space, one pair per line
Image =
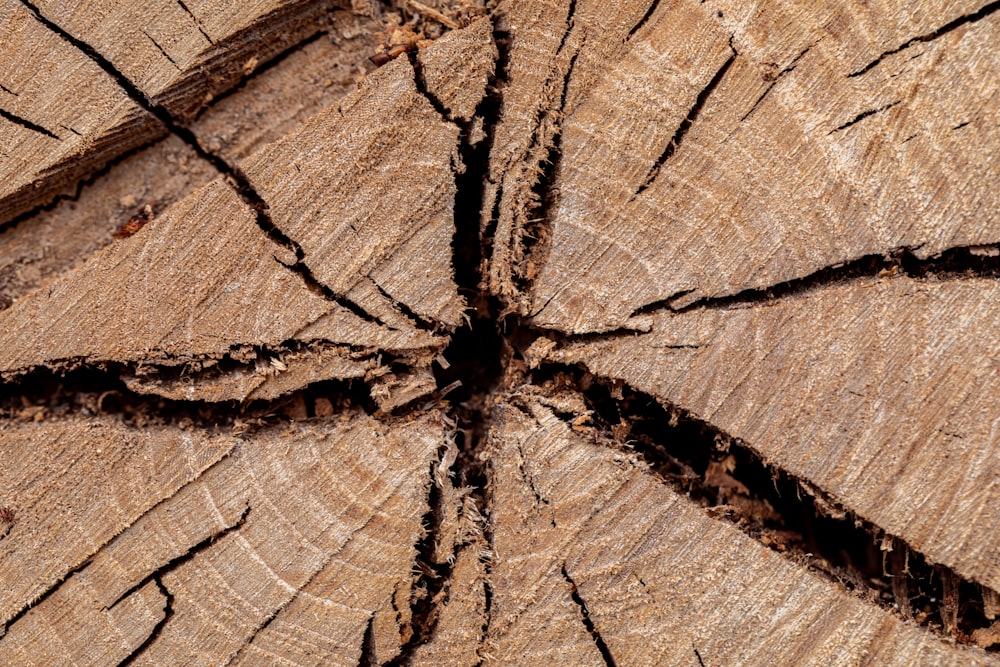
881,392
674,583
729,147
50,473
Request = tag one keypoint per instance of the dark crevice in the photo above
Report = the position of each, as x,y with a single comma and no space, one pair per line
92,391
405,310
8,90
43,596
982,13
774,78
368,657
420,81
689,119
864,114
430,588
570,23
235,176
644,20
731,482
536,234
27,124
952,264
176,562
609,659
162,50
197,23
168,612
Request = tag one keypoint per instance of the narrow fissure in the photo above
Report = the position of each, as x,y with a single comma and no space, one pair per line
588,622
174,563
473,366
731,482
168,612
689,119
953,264
864,114
27,124
234,176
982,13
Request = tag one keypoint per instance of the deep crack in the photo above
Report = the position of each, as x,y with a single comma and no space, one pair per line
234,175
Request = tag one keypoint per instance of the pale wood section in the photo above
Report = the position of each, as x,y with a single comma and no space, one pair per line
62,116
193,283
181,54
883,393
459,630
726,146
75,483
64,631
473,47
282,551
674,582
328,543
270,104
367,189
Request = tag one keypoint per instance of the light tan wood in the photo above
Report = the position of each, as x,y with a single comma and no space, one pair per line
174,55
745,151
79,117
674,583
881,392
50,479
284,549
367,245
299,412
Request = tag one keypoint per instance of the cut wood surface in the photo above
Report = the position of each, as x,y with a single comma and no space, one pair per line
570,587
525,332
816,384
107,85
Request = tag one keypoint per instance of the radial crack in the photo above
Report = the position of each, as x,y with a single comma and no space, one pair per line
865,114
982,13
588,622
955,264
689,119
235,176
27,124
177,561
168,612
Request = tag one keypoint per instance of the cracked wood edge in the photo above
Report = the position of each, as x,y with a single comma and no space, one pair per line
271,102
86,98
566,580
134,286
750,145
76,483
317,533
881,392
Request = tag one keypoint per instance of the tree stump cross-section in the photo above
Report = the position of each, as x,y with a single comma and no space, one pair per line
464,333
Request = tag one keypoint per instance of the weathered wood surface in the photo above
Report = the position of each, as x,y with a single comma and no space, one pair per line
882,392
748,147
269,105
280,544
662,193
66,114
202,278
677,582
